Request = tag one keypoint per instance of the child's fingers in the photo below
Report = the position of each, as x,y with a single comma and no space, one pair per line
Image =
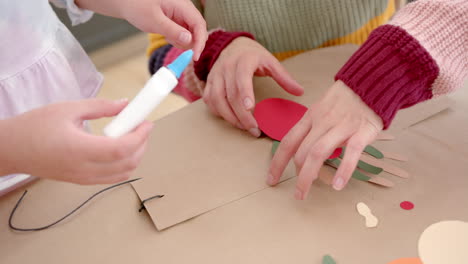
96,108
128,144
198,28
103,149
112,172
188,14
174,33
200,37
118,170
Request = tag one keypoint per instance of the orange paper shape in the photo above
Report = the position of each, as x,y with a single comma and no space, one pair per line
407,261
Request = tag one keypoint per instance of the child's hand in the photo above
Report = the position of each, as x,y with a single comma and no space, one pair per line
50,142
229,89
339,118
178,20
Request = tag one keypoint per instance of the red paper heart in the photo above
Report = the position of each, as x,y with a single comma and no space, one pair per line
276,116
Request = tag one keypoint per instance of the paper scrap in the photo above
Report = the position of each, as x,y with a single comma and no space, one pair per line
369,168
361,176
373,152
327,259
386,166
406,205
274,147
366,166
364,210
407,261
336,153
356,174
444,242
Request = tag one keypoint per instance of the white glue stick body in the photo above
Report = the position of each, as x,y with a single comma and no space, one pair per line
154,92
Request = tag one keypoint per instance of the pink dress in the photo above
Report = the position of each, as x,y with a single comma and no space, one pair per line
40,62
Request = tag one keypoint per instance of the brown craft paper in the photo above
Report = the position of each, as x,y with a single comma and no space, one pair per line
385,136
199,162
267,226
450,127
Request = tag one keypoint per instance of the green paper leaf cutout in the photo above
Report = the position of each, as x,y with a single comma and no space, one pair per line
374,152
359,176
274,147
356,174
369,168
365,166
327,259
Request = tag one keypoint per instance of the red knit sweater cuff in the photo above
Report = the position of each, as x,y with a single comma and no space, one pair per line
390,71
215,44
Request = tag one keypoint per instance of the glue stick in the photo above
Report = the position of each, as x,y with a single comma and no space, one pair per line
152,94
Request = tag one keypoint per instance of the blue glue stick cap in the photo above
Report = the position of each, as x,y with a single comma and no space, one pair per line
179,64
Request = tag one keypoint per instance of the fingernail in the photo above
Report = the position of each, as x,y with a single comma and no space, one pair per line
271,179
248,103
338,184
185,38
298,195
255,132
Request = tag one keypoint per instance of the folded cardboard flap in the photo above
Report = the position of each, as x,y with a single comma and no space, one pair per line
199,162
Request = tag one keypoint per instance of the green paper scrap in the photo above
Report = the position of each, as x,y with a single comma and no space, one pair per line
359,176
369,168
327,259
374,152
274,147
356,174
366,166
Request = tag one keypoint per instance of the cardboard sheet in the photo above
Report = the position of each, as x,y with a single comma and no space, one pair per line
266,226
199,162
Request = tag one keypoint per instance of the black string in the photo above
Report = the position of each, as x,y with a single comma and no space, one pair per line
147,199
67,215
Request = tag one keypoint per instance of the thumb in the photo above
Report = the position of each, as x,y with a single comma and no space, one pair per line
97,108
174,33
284,79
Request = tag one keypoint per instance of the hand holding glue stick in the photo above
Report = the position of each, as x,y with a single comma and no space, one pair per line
154,92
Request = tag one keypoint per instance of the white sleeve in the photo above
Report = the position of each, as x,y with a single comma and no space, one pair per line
77,15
